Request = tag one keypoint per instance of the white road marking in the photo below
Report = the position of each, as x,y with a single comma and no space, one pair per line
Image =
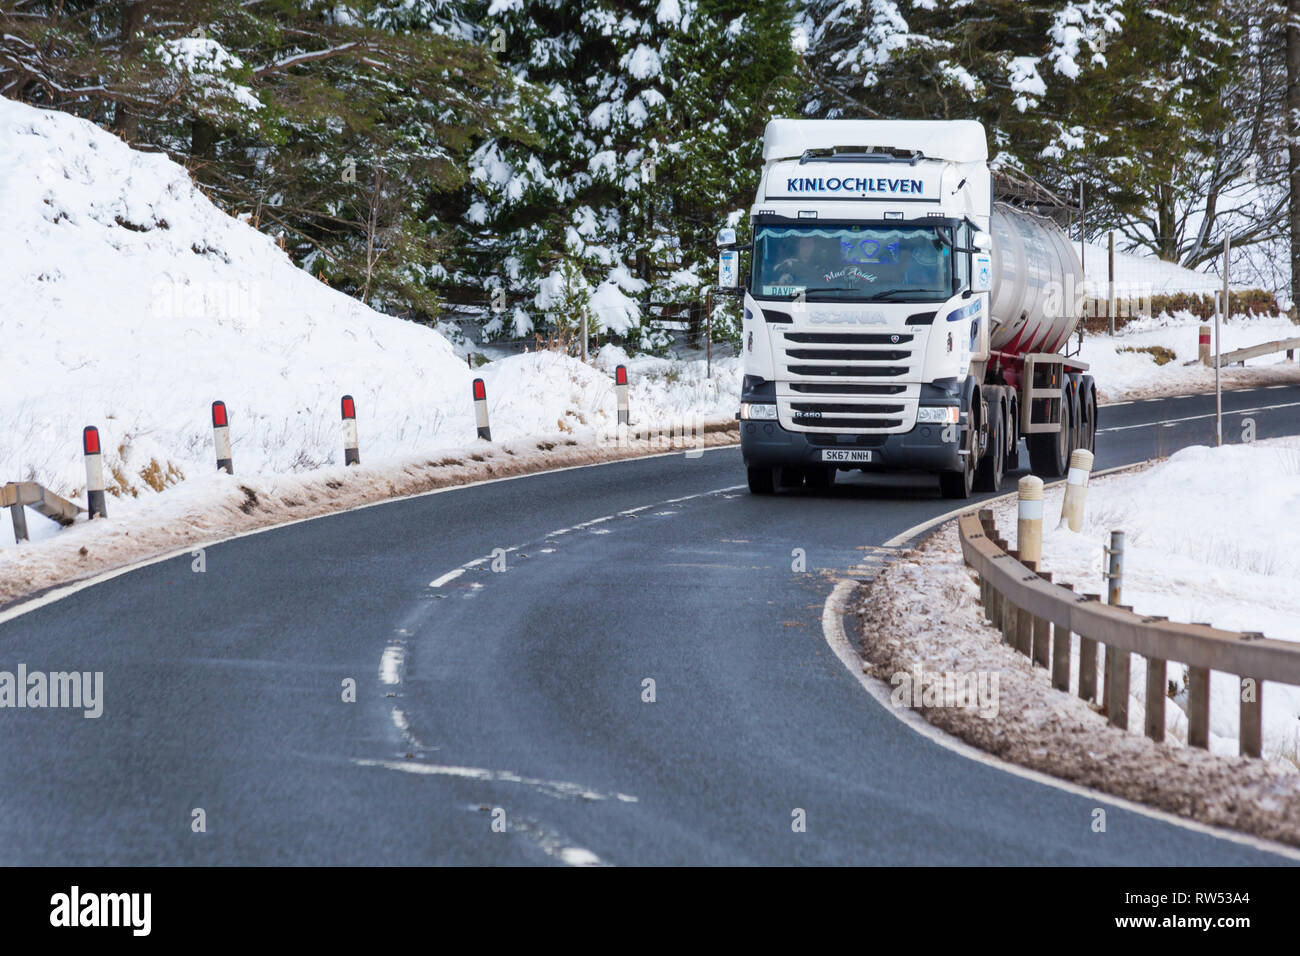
60,592
1192,418
833,612
553,788
449,576
390,665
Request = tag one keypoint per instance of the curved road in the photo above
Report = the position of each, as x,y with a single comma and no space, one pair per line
516,693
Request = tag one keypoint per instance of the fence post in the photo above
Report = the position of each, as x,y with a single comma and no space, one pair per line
1198,707
16,513
1061,653
481,410
1042,639
95,506
1076,489
351,451
1115,693
1088,663
1203,353
1155,715
1110,283
1250,733
221,438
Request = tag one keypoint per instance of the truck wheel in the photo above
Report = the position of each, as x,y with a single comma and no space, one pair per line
1013,440
960,484
989,475
1049,453
761,480
1089,433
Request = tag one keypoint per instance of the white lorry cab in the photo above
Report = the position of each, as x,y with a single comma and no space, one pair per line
895,318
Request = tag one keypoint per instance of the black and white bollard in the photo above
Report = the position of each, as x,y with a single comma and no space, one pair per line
95,506
351,453
480,410
620,391
221,438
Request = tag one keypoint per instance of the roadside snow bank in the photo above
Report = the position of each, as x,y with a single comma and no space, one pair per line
1211,535
1123,373
920,616
132,303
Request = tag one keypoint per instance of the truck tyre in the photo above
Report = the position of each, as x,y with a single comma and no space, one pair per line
1049,453
960,484
761,480
988,477
1013,439
1089,430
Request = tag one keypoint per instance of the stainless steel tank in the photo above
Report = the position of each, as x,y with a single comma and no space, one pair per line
1037,281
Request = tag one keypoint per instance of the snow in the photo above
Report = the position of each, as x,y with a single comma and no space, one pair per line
133,303
1123,375
1210,536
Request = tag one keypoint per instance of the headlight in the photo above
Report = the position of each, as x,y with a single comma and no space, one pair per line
753,410
938,415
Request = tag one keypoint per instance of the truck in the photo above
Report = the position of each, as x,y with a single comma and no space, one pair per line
897,318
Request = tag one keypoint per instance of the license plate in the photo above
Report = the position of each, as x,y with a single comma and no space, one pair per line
845,454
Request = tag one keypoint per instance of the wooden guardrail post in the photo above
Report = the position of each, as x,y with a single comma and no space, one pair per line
1198,707
1061,653
13,499
1042,640
1155,709
1115,692
1088,663
1250,732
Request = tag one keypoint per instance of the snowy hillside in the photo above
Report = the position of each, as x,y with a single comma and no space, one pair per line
132,303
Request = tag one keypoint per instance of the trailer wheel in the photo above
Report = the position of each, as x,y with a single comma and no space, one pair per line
988,477
1049,453
761,480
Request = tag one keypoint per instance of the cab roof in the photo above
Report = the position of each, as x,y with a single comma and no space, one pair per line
958,141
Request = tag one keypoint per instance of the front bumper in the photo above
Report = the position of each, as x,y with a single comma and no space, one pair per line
921,449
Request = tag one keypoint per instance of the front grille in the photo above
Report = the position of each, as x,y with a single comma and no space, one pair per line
865,371
816,388
847,338
828,408
848,355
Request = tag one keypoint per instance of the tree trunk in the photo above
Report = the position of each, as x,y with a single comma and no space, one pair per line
1293,135
126,122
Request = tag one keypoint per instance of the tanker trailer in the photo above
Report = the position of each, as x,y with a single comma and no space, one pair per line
896,318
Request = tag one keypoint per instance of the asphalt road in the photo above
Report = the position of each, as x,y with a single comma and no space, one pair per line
514,695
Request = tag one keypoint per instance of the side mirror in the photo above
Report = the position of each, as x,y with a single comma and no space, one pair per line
982,241
728,271
726,238
981,272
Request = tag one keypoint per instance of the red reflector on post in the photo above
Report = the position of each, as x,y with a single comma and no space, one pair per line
90,440
620,376
219,414
480,390
349,407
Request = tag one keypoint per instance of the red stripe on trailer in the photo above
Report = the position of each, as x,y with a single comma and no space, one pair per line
349,407
480,390
620,376
90,440
219,414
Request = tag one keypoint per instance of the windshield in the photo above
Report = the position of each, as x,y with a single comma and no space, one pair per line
852,263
